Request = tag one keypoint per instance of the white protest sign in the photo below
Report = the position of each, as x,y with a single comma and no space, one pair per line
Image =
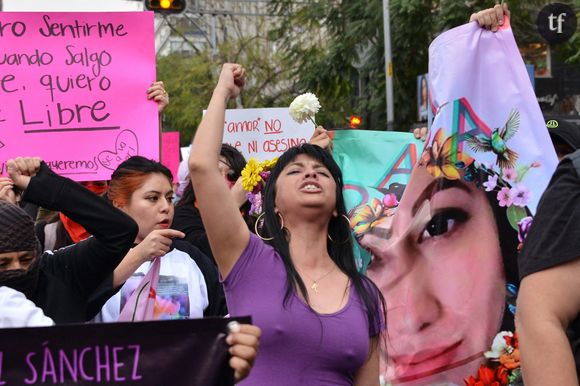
185,152
264,133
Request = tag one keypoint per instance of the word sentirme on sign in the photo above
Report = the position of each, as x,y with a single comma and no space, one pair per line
73,90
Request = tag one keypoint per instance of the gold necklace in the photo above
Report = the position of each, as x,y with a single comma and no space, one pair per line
315,284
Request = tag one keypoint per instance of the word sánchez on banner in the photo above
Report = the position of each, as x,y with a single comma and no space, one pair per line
101,364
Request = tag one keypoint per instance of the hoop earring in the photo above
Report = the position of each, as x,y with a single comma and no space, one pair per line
347,237
258,220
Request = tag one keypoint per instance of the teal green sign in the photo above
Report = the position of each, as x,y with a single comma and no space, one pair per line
375,165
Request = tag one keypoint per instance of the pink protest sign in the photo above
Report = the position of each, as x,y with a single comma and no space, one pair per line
170,152
73,90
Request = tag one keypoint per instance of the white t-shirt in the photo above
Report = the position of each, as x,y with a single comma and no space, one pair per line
17,311
181,291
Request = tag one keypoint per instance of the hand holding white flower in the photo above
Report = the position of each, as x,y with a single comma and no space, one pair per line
304,107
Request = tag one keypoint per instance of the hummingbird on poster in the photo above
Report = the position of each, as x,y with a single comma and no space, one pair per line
497,142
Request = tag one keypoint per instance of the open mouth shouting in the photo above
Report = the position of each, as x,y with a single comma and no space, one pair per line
310,187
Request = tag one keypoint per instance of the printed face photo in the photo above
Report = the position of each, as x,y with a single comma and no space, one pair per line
438,264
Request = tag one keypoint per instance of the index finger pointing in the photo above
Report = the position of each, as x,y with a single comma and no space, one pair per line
172,233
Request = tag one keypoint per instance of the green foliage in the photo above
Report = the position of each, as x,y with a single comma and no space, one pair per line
330,48
189,82
267,84
322,62
515,214
325,66
411,33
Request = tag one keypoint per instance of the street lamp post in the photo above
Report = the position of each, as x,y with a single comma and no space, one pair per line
388,65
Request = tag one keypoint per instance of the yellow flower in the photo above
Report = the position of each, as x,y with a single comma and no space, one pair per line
269,164
364,217
438,158
251,174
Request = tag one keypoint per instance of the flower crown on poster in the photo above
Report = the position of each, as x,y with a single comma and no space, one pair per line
440,159
504,176
503,367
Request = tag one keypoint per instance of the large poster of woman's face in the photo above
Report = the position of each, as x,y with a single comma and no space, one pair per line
444,255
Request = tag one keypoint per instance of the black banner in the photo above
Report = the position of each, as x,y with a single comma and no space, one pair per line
172,353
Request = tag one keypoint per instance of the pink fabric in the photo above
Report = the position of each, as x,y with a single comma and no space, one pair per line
140,305
446,259
170,152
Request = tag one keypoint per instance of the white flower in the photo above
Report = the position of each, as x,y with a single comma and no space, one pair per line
491,183
499,345
304,107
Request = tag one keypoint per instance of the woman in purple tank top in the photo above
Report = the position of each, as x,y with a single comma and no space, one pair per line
321,319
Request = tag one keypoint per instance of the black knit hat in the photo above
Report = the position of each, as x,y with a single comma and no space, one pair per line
16,230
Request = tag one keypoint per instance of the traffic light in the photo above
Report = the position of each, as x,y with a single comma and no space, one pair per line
166,6
355,121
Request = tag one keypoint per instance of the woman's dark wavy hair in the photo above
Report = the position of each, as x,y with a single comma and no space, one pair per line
237,162
508,244
141,164
338,229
